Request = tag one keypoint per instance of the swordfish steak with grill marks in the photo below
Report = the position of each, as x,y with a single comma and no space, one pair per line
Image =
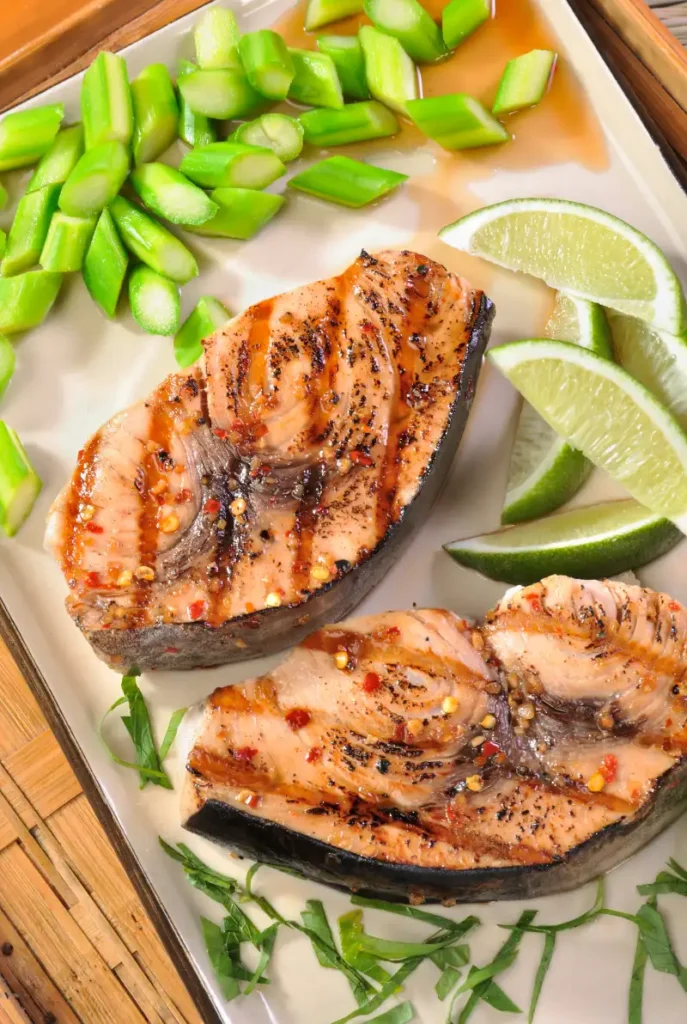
265,490
411,754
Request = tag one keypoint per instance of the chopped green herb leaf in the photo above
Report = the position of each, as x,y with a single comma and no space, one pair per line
393,985
137,724
496,997
315,918
267,940
665,883
388,949
677,868
636,995
447,982
657,940
401,1014
451,956
350,932
542,970
576,922
219,958
461,927
171,732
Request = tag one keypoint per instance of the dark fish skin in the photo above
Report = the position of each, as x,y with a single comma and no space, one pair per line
415,755
273,844
128,629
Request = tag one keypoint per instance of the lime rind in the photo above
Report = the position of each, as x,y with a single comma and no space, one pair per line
612,418
656,359
582,322
645,268
591,542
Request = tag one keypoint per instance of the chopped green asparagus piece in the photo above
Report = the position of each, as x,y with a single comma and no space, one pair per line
524,81
154,245
20,485
232,163
3,196
194,129
28,135
241,213
221,93
347,54
169,194
156,113
457,121
411,24
315,80
25,300
106,108
3,243
322,12
216,38
60,160
68,239
339,179
96,179
267,63
278,132
105,265
355,122
29,230
154,301
391,74
7,362
208,316
460,18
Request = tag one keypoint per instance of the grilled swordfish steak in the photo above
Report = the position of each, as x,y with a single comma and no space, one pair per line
263,492
411,754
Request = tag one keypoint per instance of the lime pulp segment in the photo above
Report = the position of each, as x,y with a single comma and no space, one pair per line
656,359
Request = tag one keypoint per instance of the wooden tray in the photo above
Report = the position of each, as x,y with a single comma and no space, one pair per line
74,939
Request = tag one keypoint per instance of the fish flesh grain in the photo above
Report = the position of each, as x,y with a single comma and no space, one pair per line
412,755
263,492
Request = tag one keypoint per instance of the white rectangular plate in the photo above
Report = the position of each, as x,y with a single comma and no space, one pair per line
78,369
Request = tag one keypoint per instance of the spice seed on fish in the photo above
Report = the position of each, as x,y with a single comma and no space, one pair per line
477,741
526,711
238,506
125,578
170,524
87,513
474,783
152,446
477,640
606,720
596,783
449,705
341,659
160,487
145,572
488,722
272,600
414,727
320,572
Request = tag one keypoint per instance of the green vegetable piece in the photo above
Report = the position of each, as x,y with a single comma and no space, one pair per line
576,922
278,132
267,63
241,213
390,988
171,731
3,243
524,81
154,245
459,928
156,113
339,179
356,122
665,883
636,993
315,82
208,316
27,135
216,37
169,194
137,724
322,12
29,230
221,962
106,107
657,941
391,74
411,24
457,121
7,362
25,300
315,918
60,160
194,129
67,241
96,180
105,265
401,1014
460,18
232,163
20,485
221,93
347,54
154,301
542,971
3,197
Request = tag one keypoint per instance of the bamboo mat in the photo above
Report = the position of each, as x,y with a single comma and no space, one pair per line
76,946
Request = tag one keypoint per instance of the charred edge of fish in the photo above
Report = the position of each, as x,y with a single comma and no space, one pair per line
267,841
268,630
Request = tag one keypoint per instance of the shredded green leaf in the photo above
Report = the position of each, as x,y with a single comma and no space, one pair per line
542,971
677,868
388,949
137,723
448,979
266,946
576,922
665,883
350,932
221,962
171,732
315,918
401,1014
636,995
393,985
496,997
402,909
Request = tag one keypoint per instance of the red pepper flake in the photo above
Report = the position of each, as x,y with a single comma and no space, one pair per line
367,327
92,579
314,754
94,528
362,458
183,496
609,767
263,470
535,601
245,753
171,650
392,631
371,682
160,499
219,432
196,610
399,735
320,510
297,719
253,800
674,606
490,748
211,506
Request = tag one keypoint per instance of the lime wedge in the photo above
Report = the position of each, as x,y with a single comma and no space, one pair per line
593,542
545,471
656,359
614,420
576,249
